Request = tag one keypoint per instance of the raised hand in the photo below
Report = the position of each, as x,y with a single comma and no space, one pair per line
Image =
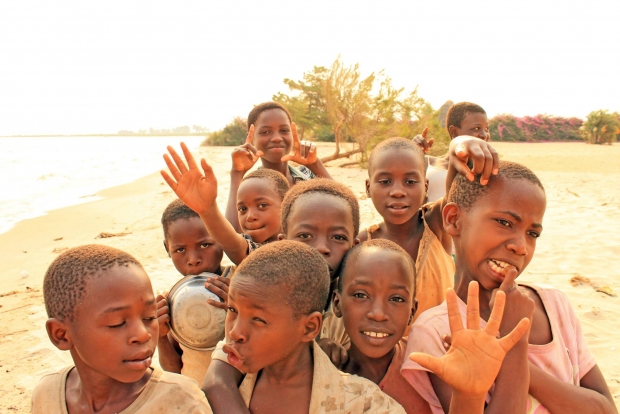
218,285
422,142
196,190
475,356
484,157
304,152
518,304
163,315
245,156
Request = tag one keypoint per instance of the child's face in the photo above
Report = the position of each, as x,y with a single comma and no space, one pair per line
324,222
397,185
191,248
474,124
260,325
376,302
115,330
273,135
258,209
500,229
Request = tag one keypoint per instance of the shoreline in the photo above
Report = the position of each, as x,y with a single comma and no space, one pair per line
580,238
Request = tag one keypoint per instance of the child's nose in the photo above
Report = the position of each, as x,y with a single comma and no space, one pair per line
236,333
397,190
141,334
194,260
518,246
377,312
322,246
251,216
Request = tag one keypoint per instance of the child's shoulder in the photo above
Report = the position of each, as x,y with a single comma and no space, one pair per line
49,393
177,392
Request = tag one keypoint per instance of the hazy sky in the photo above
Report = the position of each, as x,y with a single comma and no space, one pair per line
85,67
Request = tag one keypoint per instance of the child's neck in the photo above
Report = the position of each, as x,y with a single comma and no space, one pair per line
281,167
297,367
373,369
403,234
86,387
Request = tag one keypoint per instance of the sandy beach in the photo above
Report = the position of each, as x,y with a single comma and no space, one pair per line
581,237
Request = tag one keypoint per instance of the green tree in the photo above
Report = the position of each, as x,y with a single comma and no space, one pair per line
232,134
601,127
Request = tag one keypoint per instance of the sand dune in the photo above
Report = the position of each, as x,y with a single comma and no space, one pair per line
581,237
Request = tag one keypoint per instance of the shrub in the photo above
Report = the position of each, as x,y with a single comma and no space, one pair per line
233,134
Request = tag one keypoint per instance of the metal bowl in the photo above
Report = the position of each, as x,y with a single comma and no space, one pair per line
193,322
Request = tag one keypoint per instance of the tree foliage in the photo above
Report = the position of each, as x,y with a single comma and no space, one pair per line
233,134
539,128
601,127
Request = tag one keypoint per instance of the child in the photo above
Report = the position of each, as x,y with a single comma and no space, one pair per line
193,251
332,233
463,118
270,126
102,310
397,186
495,228
376,300
258,202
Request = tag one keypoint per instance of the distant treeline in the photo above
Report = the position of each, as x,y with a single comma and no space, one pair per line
338,104
182,130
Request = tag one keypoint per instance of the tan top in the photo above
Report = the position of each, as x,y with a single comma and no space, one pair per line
165,393
434,268
333,328
335,392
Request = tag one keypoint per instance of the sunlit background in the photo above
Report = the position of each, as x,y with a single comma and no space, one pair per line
76,67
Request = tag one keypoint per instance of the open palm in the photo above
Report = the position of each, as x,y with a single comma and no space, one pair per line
475,356
196,190
304,154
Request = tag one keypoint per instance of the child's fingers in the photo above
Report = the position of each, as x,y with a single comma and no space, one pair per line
171,183
497,312
249,138
177,161
221,293
429,362
508,341
431,142
425,132
473,306
509,280
454,316
191,163
294,131
217,304
172,168
495,156
206,167
461,167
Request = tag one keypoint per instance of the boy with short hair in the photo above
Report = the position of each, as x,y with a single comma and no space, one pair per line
103,311
193,251
463,118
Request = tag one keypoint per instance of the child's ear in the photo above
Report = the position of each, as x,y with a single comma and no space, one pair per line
368,187
166,247
336,304
453,131
312,326
281,236
57,332
451,215
356,241
414,309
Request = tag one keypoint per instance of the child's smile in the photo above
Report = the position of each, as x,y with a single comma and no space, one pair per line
273,135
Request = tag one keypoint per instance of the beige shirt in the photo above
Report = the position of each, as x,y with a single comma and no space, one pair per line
195,363
335,392
165,393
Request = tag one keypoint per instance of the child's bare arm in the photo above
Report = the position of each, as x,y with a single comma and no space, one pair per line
592,396
463,376
306,155
169,356
221,386
243,159
199,192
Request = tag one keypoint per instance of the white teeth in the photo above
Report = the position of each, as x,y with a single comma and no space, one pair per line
376,334
498,266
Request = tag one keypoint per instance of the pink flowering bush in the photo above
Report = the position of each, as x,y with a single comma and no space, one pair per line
539,128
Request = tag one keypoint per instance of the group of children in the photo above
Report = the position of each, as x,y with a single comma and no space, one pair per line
322,317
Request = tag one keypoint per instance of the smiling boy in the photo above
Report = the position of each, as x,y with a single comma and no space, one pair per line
102,310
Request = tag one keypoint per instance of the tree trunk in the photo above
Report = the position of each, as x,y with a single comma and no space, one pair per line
336,155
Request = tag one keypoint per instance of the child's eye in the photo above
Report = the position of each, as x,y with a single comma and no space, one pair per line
397,299
304,236
262,206
180,250
384,182
241,209
534,234
205,245
410,182
150,318
340,237
360,295
504,223
285,131
232,310
118,325
259,320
